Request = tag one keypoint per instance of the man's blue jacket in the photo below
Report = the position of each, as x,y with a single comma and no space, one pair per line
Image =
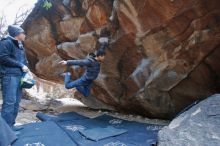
12,57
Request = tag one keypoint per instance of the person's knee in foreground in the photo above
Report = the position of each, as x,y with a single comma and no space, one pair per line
13,65
7,136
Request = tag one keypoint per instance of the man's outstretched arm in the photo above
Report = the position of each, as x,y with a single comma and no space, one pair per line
81,62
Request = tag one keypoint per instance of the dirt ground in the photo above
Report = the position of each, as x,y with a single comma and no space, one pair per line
29,109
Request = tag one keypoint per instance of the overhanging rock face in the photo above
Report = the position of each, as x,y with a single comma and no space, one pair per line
163,54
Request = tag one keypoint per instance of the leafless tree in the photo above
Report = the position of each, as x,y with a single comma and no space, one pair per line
21,15
3,24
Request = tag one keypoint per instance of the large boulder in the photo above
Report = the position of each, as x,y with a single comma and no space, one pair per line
199,126
163,55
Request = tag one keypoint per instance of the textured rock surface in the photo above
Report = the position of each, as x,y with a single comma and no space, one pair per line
47,90
199,126
163,54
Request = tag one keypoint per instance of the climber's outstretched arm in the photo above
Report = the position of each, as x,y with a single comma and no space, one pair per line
81,62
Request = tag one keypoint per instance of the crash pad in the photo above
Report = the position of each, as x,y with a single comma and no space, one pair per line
100,133
43,134
7,136
137,134
69,116
104,130
73,129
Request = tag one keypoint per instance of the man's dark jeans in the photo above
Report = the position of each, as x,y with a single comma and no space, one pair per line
82,84
11,93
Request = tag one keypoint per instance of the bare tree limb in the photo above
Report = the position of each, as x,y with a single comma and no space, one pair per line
3,24
21,15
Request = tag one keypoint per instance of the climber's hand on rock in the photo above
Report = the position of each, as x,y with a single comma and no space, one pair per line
63,62
25,68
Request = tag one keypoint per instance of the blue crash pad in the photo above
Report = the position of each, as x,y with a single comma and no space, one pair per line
43,134
138,134
73,129
99,133
69,116
104,130
7,136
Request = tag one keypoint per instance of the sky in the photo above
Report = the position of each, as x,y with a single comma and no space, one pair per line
10,8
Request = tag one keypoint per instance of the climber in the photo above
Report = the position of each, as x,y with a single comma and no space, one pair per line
13,65
92,65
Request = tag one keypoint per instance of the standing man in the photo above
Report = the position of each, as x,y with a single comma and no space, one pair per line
13,64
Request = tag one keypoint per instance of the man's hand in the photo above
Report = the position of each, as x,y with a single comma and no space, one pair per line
25,68
63,62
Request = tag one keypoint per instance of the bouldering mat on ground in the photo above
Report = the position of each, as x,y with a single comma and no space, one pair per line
138,134
100,133
69,116
43,134
73,129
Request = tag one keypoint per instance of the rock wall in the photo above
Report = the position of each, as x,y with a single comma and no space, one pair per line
163,55
44,90
198,126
